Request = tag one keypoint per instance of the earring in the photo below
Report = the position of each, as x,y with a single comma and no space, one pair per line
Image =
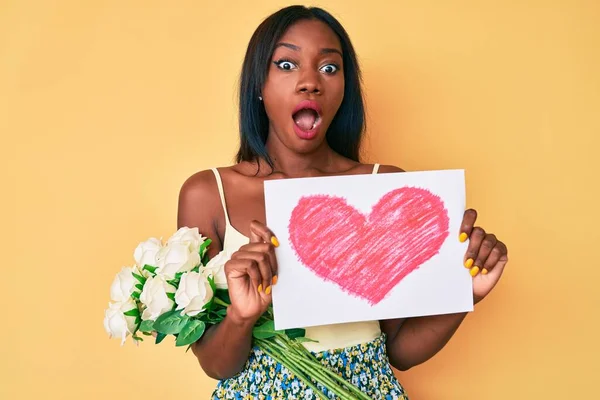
260,98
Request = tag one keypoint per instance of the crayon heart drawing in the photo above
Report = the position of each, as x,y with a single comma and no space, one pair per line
368,255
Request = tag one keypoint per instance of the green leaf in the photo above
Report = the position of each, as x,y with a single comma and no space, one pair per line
203,247
192,331
305,339
264,331
195,269
159,337
295,333
139,286
136,295
137,338
174,282
171,296
211,282
179,275
147,326
222,312
150,268
140,278
170,322
134,312
223,294
188,348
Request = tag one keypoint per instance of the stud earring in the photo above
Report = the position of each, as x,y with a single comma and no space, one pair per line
260,98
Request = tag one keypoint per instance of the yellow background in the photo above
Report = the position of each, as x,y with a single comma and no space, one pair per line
106,107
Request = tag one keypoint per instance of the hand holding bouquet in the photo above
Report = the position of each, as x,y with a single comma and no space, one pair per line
175,289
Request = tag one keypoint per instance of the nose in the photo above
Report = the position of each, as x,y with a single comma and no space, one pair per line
309,82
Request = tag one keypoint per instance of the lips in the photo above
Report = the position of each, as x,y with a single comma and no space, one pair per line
307,119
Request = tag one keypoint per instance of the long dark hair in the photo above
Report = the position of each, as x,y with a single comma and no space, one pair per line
346,130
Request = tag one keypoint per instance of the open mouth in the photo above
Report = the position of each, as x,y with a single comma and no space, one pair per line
307,118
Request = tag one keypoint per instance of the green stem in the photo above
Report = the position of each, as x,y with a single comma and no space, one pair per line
322,372
303,355
221,302
319,372
282,360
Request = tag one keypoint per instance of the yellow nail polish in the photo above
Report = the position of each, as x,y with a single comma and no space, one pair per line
268,290
474,271
275,241
275,280
484,271
463,237
469,263
260,288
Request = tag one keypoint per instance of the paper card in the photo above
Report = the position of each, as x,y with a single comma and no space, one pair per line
368,247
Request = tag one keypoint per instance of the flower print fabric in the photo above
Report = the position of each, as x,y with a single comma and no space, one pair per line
366,366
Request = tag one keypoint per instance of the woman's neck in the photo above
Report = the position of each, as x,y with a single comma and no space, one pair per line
291,164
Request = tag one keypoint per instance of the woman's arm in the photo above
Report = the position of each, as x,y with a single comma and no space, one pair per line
224,348
413,341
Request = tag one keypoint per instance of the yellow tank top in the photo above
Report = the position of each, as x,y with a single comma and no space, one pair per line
327,337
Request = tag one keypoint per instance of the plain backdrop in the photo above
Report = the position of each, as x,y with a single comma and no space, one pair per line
106,107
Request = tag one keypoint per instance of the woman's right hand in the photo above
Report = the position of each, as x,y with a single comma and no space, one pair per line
251,272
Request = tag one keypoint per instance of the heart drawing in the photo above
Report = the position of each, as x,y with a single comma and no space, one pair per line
368,255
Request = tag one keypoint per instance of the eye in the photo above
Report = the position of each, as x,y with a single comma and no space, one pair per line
330,69
285,65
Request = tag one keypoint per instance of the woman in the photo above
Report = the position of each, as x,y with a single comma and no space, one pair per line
302,115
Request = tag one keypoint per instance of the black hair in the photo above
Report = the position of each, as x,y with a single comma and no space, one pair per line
346,130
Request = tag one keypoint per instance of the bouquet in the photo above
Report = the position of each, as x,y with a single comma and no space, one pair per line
175,289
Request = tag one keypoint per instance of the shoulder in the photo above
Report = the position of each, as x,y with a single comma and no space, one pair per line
198,186
386,169
199,201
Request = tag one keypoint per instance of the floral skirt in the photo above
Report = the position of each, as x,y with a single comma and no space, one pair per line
366,366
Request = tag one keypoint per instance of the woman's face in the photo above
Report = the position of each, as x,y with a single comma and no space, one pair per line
304,86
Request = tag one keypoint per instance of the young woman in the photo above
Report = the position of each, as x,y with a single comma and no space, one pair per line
301,115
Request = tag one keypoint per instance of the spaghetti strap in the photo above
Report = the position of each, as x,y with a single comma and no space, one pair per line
221,194
375,168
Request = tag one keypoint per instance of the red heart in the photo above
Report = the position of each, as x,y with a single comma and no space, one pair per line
367,256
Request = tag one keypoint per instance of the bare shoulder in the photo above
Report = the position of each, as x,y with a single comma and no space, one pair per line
199,203
386,169
199,186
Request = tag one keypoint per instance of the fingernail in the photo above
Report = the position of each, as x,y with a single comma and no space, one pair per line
474,271
275,280
484,271
463,237
268,290
275,241
260,288
469,263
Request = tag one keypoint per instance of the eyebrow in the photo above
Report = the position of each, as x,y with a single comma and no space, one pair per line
296,48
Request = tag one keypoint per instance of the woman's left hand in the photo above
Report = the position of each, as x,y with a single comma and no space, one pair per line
485,258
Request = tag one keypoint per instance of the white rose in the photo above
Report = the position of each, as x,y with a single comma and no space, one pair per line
176,257
154,298
123,285
116,323
145,254
193,293
190,236
216,268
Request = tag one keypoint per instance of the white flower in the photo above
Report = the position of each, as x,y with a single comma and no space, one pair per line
123,285
216,268
190,236
145,254
154,297
116,323
193,293
176,257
